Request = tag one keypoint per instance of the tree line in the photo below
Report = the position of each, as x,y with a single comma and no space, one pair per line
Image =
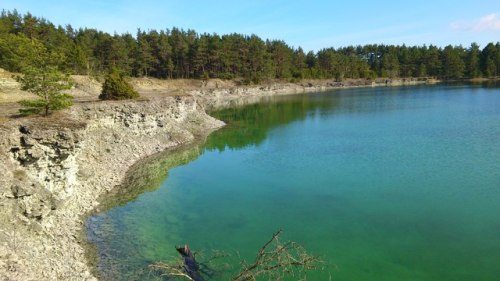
29,41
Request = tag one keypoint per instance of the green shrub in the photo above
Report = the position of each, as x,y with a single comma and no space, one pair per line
115,87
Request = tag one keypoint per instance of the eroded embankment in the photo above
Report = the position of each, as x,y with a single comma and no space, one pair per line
53,172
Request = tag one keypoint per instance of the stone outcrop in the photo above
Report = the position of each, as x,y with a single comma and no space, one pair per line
54,170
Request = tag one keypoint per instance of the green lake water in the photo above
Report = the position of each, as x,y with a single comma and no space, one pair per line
396,183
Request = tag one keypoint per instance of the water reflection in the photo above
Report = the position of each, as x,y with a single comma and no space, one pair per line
250,122
268,113
148,174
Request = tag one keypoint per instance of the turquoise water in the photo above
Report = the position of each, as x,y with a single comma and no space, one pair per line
382,183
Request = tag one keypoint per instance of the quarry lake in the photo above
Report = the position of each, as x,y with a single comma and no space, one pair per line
386,183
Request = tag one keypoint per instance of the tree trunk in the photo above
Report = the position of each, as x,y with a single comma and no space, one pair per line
46,105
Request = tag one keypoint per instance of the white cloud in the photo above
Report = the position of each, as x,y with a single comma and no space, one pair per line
489,22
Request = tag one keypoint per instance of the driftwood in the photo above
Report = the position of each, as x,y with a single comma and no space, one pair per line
191,267
185,268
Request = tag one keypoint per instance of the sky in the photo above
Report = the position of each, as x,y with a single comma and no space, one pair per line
310,24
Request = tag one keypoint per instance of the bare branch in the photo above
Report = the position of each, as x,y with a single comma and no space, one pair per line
171,269
276,259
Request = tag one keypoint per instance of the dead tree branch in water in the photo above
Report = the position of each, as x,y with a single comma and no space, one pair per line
275,260
171,269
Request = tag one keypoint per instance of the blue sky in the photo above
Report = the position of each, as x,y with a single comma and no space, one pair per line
311,24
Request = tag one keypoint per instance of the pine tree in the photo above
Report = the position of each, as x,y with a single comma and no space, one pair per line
47,83
472,61
433,64
453,63
490,60
390,63
145,61
18,52
281,55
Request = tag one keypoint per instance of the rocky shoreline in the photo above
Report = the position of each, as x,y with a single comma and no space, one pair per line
55,169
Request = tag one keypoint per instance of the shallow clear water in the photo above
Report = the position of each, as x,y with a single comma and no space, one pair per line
383,183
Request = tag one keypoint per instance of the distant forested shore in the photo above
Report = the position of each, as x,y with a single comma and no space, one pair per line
27,40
